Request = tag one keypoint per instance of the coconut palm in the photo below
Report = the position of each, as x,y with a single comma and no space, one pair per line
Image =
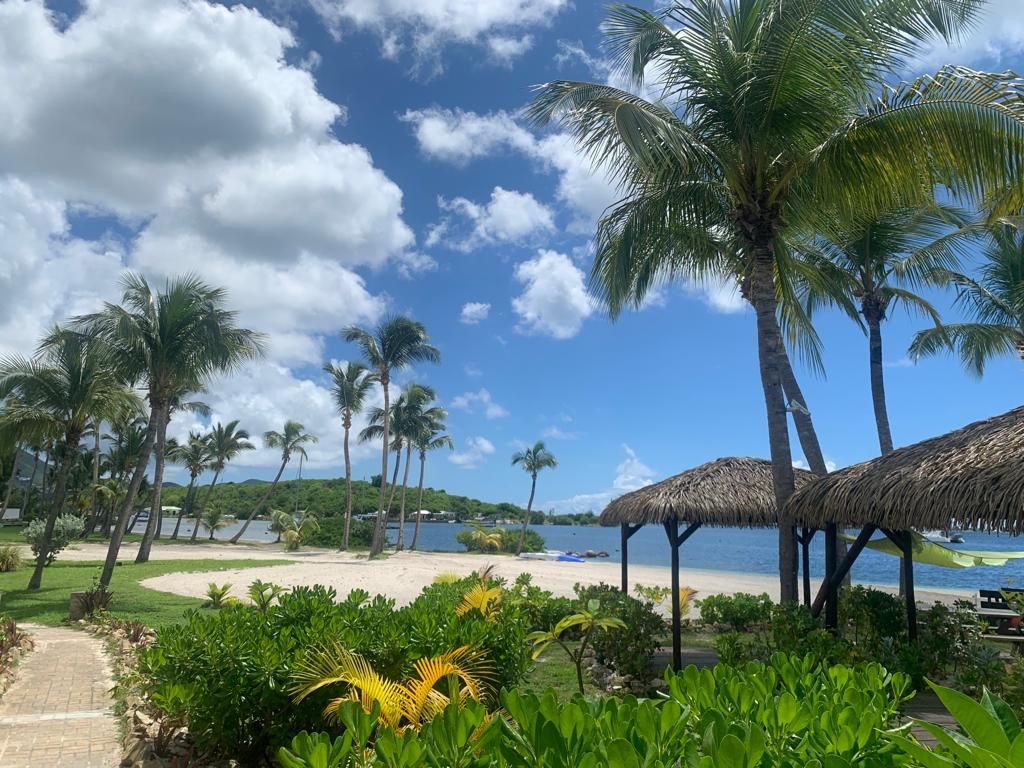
194,455
351,386
154,525
762,130
413,418
293,529
224,442
430,439
293,440
994,303
533,461
58,394
395,344
213,520
12,477
170,343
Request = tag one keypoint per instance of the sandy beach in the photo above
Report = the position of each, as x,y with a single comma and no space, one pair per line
402,576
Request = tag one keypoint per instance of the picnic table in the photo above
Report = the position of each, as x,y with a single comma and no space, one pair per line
1004,623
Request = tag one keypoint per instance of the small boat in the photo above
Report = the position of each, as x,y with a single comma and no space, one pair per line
551,554
943,537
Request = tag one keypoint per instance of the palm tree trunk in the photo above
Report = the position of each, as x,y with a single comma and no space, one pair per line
400,545
526,518
394,484
878,383
46,476
770,349
58,501
378,530
348,486
185,506
10,482
129,500
31,484
259,505
419,502
202,508
95,474
156,508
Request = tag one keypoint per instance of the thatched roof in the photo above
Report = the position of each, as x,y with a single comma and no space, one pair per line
730,492
970,478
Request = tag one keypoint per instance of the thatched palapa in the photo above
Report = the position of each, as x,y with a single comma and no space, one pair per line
970,478
735,492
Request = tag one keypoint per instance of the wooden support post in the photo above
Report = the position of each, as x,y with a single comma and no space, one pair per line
805,538
905,541
832,606
672,531
627,532
831,586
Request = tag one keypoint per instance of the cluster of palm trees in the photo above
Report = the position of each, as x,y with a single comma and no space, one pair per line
785,156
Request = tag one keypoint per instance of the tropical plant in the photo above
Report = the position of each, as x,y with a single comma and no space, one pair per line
292,440
739,611
586,622
775,116
194,454
170,343
294,529
482,597
224,442
994,302
47,541
10,558
430,438
627,653
57,395
476,538
213,520
533,461
350,386
263,594
395,344
217,595
407,703
480,539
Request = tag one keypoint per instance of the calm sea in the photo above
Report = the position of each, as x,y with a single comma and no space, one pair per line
744,551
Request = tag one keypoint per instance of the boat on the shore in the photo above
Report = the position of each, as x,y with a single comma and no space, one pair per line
943,537
551,554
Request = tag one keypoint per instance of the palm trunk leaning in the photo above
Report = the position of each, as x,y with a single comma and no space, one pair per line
529,511
66,460
31,484
202,508
186,506
117,535
347,423
419,502
377,546
400,545
156,507
259,505
10,482
95,474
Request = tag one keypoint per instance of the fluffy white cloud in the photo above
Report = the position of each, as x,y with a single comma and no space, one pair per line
476,452
630,475
473,402
508,217
830,465
554,432
505,50
474,312
722,295
554,301
430,24
997,38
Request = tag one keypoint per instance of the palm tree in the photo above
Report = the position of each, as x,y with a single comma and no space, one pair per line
170,343
57,394
212,520
224,442
128,438
533,461
292,441
11,478
351,386
395,344
761,130
294,529
194,455
414,419
430,439
867,267
994,303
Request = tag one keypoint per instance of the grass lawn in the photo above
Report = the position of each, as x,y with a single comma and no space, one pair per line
49,605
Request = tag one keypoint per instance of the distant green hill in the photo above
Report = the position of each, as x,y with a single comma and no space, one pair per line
327,497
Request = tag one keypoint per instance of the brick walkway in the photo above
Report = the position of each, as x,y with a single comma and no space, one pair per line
57,714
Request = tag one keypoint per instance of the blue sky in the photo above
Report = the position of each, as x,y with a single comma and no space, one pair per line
330,161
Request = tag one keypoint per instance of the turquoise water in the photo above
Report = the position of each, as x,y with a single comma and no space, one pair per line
717,549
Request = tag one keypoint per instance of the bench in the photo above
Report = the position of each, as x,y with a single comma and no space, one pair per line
1003,619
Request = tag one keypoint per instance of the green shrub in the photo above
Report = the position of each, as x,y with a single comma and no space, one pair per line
506,540
541,609
332,533
66,529
629,652
217,595
10,558
739,612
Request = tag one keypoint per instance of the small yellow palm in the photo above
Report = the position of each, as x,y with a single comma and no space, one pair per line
481,598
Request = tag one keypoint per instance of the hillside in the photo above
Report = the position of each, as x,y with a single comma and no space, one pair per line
328,498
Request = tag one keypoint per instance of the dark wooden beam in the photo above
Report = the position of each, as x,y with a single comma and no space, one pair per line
832,604
905,541
672,532
805,538
830,587
627,532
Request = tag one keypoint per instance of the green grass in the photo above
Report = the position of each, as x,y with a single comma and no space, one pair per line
554,671
49,605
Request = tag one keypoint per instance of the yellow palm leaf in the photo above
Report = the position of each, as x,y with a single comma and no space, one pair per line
464,664
481,598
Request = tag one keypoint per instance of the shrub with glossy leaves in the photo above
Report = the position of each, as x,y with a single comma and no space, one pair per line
66,529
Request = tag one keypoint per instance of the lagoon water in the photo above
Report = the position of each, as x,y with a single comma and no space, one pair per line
716,549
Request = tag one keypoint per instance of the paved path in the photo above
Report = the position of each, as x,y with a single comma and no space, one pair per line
58,713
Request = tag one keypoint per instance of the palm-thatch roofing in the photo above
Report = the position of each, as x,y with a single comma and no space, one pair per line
970,478
730,492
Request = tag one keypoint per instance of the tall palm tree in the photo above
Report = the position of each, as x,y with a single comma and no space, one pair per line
396,343
351,385
415,417
170,343
994,303
868,267
127,438
57,394
762,127
155,523
533,461
12,478
194,455
431,438
225,442
293,440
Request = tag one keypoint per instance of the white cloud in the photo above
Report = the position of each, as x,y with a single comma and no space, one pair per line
504,50
508,217
476,453
474,312
482,400
721,294
555,432
554,301
630,475
830,466
472,370
998,37
428,25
